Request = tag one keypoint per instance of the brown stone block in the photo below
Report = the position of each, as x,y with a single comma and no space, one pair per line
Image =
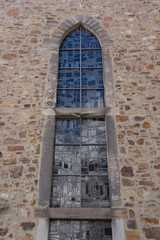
107,19
142,166
149,67
121,118
157,159
32,202
24,160
146,183
11,141
23,52
136,126
127,171
156,103
131,192
132,133
126,182
13,12
106,25
158,143
146,125
10,56
27,225
15,148
3,231
157,166
22,134
131,213
151,98
38,149
133,235
34,40
152,233
131,224
9,161
140,141
16,171
150,221
27,237
139,118
141,88
135,153
33,140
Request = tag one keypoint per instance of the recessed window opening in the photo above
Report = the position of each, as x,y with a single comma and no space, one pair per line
80,162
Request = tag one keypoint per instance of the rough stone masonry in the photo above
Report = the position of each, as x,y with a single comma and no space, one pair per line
134,29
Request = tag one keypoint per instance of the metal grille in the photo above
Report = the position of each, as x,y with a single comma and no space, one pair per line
80,71
80,230
80,171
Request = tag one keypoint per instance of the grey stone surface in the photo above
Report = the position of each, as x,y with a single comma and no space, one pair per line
118,229
113,166
46,162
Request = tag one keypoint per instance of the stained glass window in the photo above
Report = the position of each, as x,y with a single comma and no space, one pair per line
80,164
80,71
80,170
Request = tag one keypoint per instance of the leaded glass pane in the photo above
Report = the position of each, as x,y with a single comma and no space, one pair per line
93,131
91,58
69,59
92,78
94,160
95,192
69,78
80,230
92,99
66,192
67,131
72,41
68,98
67,160
88,40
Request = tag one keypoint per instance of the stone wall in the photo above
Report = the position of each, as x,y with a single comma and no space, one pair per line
134,29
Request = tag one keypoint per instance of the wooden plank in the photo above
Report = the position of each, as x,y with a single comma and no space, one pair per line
82,213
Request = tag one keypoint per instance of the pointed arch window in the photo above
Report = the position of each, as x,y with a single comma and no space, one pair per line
80,71
80,166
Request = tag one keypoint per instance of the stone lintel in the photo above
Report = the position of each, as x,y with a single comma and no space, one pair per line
82,213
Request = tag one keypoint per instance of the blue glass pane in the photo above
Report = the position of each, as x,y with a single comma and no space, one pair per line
92,98
91,58
72,40
67,131
69,59
88,39
68,99
69,78
92,78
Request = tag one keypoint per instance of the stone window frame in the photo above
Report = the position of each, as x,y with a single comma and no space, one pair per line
115,212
